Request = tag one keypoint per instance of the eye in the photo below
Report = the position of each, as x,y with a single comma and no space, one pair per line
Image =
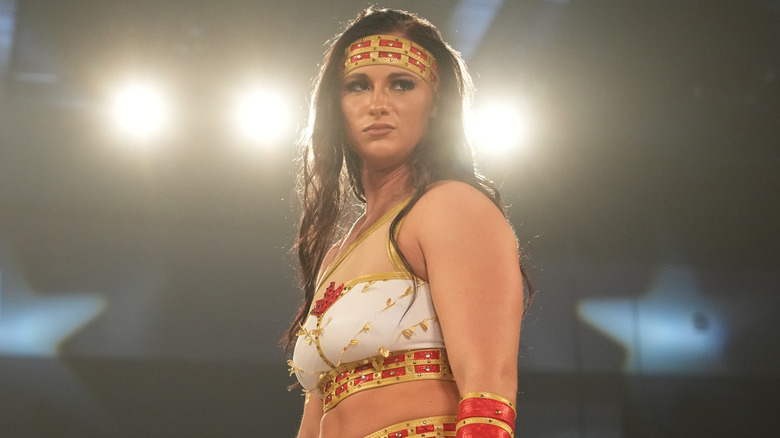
356,86
403,85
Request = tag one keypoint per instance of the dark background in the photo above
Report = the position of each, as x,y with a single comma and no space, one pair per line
143,290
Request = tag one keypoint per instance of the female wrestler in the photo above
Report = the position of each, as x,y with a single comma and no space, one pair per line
411,319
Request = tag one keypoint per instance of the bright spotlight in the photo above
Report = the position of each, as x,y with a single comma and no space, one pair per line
140,110
261,116
500,126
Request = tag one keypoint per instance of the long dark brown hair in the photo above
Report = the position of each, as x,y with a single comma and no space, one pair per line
330,180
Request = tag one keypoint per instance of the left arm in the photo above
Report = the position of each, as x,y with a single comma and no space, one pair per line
472,266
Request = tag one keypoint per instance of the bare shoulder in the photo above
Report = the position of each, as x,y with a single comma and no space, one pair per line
455,201
456,210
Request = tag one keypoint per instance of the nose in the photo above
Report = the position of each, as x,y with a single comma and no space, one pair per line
378,104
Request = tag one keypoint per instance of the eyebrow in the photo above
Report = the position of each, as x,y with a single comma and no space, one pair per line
354,76
396,75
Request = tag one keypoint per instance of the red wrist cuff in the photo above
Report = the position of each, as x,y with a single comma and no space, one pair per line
482,430
485,407
485,415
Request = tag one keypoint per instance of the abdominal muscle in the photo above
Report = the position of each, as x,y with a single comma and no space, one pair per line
369,411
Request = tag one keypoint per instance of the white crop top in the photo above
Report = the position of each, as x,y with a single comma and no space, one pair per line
365,305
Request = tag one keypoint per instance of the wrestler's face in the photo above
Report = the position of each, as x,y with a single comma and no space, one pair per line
386,113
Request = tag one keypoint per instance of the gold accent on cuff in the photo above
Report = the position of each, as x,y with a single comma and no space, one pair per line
485,420
490,395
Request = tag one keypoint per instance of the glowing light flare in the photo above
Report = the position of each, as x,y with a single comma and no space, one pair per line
140,110
261,116
499,126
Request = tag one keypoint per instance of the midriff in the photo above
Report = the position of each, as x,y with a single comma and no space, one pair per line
369,411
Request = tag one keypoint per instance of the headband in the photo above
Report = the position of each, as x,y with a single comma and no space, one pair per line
392,50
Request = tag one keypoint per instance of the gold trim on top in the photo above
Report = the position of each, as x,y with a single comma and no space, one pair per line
392,254
317,344
373,278
361,279
363,236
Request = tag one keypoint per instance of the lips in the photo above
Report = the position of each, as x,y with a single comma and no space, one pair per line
378,129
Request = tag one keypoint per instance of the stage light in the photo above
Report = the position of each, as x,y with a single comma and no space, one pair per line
261,116
140,110
500,126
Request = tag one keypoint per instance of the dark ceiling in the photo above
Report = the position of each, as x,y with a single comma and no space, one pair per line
658,121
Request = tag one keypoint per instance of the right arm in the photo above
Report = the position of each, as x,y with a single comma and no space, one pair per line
312,414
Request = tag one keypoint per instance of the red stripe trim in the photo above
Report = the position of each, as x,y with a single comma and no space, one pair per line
366,378
394,359
390,43
394,372
426,354
422,369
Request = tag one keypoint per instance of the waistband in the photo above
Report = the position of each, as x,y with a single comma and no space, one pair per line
377,371
443,426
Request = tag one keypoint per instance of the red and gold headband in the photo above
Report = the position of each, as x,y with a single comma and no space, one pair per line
392,50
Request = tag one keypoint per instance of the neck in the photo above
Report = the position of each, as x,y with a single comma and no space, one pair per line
384,189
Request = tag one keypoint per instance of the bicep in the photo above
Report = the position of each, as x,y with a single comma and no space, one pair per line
474,273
